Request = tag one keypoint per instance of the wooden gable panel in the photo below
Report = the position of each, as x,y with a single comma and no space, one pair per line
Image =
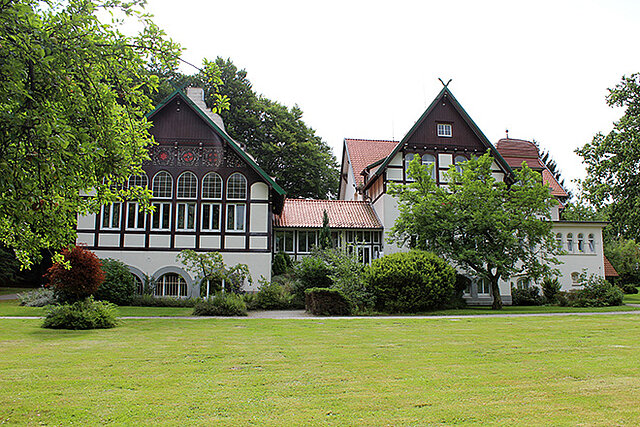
425,136
177,121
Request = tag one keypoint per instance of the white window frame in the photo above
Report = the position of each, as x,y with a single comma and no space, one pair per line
156,188
217,179
209,225
182,216
285,236
232,187
458,161
236,207
444,130
591,243
183,186
429,159
480,285
113,219
137,216
162,211
408,158
166,282
308,243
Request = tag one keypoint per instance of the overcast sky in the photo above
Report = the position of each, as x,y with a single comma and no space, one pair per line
369,69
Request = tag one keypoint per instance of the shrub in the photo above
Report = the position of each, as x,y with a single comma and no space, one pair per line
411,281
119,286
272,296
282,264
550,288
81,280
221,304
351,277
37,297
151,301
87,314
597,292
526,296
311,272
326,302
628,288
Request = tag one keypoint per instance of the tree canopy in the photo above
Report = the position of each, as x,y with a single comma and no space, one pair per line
613,162
487,228
274,134
73,96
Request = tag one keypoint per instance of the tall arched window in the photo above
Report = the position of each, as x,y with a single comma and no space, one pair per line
429,160
136,219
570,242
138,180
592,243
162,185
407,159
212,186
580,242
187,186
186,210
171,285
559,239
459,160
237,187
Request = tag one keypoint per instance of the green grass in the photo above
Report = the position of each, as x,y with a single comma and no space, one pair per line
7,291
12,308
633,298
496,371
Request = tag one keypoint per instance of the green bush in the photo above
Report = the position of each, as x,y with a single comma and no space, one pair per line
87,314
119,286
311,272
526,296
350,277
411,282
550,288
272,296
37,297
628,288
221,304
151,301
597,292
326,302
282,264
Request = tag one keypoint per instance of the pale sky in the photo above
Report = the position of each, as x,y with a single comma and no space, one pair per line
369,69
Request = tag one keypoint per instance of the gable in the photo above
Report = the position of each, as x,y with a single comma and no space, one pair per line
177,121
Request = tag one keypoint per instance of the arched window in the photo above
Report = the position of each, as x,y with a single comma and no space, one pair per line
212,186
162,185
592,244
429,160
237,187
523,283
407,160
559,239
580,242
138,180
575,277
570,242
187,186
139,285
459,160
171,285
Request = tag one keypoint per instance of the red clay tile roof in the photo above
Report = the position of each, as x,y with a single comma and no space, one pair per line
556,188
342,214
363,152
516,151
609,271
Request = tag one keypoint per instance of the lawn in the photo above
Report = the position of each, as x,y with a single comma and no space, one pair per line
524,371
632,299
6,290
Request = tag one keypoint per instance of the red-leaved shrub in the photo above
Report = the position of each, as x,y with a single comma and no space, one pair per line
81,280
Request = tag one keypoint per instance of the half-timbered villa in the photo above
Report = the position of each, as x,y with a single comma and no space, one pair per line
210,195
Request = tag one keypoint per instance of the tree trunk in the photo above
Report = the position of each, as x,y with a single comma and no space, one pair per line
495,289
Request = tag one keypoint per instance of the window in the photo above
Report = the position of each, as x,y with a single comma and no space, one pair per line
484,287
430,160
592,244
407,160
235,217
136,220
570,242
559,239
376,237
161,217
187,186
284,241
364,254
237,187
459,162
138,180
445,129
171,285
306,240
186,216
111,216
580,242
162,185
210,217
523,283
139,285
212,186
575,276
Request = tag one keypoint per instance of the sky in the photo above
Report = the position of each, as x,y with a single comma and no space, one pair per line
368,69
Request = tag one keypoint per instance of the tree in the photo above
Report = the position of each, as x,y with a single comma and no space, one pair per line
324,239
624,255
612,162
210,268
487,228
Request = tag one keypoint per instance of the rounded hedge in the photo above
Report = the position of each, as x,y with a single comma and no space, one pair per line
119,286
413,281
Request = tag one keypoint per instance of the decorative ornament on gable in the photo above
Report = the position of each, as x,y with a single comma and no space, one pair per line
446,85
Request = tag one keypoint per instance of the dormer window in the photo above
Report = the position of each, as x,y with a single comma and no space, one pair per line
445,130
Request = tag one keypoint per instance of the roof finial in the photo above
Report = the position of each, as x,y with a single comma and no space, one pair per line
443,83
507,132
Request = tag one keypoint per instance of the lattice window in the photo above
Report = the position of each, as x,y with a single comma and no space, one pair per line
138,180
237,187
212,186
163,185
172,285
187,186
